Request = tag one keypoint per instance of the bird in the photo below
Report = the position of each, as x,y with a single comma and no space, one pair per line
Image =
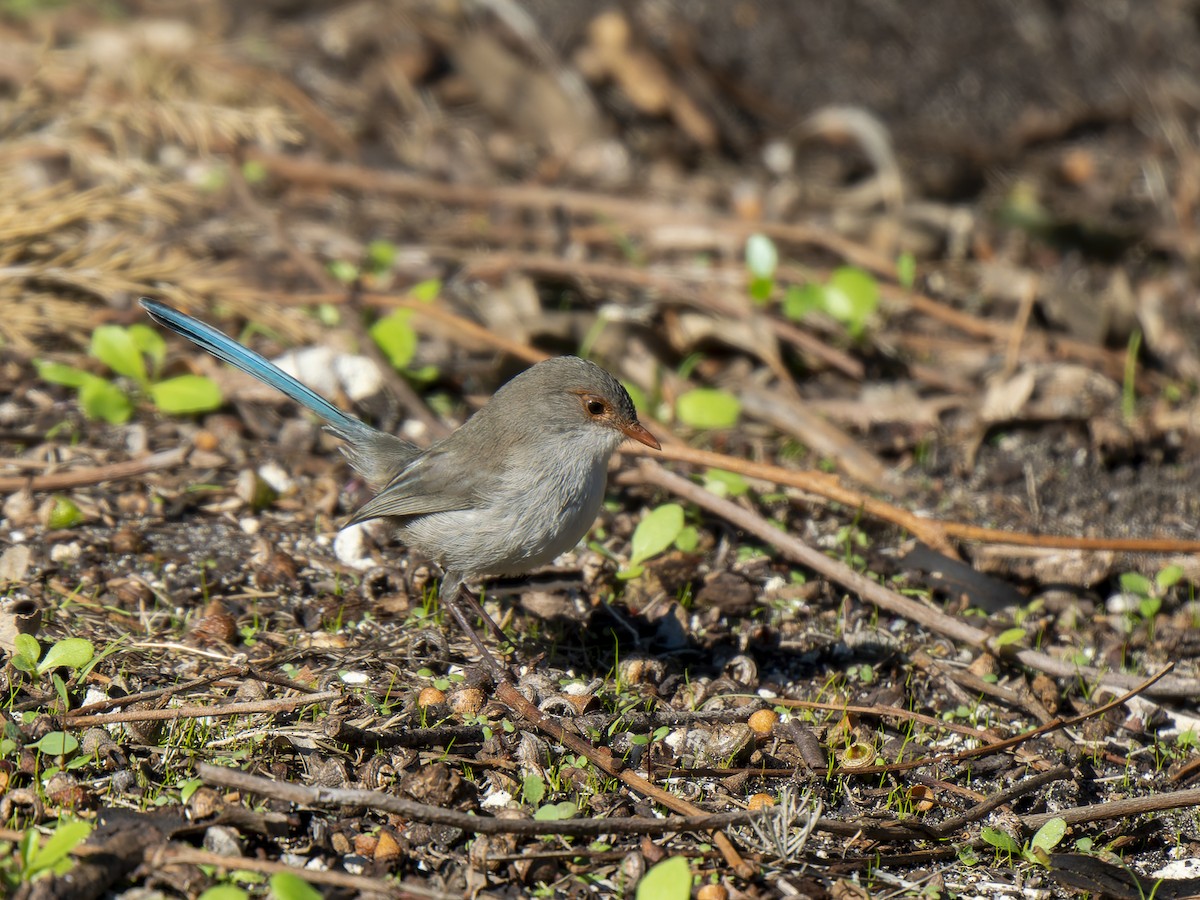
518,484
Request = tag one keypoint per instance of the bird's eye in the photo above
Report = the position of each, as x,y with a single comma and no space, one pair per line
595,407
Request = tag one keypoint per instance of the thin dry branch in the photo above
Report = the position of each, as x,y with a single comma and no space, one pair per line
475,824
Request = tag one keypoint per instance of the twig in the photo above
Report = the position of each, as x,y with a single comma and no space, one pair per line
630,212
249,707
1116,809
131,468
169,854
1025,786
469,822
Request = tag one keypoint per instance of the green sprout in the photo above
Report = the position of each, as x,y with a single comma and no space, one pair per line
126,351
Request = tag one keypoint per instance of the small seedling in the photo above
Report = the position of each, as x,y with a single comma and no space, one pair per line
396,337
761,261
850,296
1148,594
286,886
72,653
33,858
670,879
1037,850
126,351
657,532
708,408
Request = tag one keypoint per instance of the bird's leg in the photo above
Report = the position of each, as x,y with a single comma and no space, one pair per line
451,593
488,622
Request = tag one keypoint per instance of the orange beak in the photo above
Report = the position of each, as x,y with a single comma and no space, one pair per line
636,432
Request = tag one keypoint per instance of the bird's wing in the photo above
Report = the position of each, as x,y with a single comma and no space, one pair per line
434,482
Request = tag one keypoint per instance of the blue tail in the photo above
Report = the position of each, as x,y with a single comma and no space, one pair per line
226,348
376,455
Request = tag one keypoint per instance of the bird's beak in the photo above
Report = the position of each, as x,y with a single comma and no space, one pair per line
636,432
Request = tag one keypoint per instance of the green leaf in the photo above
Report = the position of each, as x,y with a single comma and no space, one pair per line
286,886
58,373
656,532
186,394
103,400
800,300
57,743
381,256
396,338
670,879
1168,577
1008,636
115,347
1001,840
64,514
533,789
760,290
66,837
343,271
1135,583
426,291
851,297
188,788
27,647
725,484
149,342
254,171
1050,835
74,653
688,539
708,408
762,258
555,812
906,270
224,892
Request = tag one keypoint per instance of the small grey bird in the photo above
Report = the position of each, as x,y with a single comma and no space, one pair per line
517,485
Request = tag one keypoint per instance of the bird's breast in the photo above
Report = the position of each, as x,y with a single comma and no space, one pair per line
532,517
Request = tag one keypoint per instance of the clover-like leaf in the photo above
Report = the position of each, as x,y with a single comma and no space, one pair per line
224,892
63,514
60,373
149,342
65,838
670,879
800,300
115,347
74,653
725,484
101,399
555,812
851,297
57,743
708,408
1001,840
762,258
396,338
1050,835
655,533
26,653
186,394
533,789
286,886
